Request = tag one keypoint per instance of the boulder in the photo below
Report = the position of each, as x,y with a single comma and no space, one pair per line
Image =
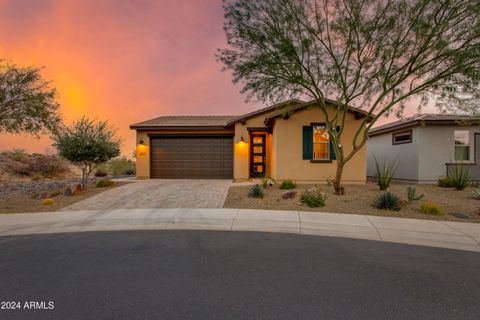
290,194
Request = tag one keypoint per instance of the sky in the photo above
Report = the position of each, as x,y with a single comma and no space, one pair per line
124,61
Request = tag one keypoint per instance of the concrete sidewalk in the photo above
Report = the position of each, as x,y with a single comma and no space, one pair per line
453,235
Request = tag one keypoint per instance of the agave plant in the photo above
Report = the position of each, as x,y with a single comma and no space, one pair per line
384,173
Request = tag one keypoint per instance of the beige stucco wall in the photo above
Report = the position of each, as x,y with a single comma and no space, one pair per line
285,150
241,170
143,151
289,151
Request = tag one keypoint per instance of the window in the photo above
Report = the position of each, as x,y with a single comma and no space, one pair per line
462,146
402,137
321,143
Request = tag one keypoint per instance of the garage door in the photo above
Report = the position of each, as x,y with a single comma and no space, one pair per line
192,157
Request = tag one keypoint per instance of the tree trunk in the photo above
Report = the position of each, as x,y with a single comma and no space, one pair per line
337,183
84,177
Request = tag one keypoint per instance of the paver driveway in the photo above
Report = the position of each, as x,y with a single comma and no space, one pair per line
159,194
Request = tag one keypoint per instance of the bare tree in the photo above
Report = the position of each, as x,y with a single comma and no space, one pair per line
371,54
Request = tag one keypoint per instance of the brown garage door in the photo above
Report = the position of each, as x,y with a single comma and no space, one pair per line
190,157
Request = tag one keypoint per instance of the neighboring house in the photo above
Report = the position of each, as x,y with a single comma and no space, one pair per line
283,141
426,146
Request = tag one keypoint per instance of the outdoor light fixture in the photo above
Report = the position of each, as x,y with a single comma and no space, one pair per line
141,148
140,142
242,140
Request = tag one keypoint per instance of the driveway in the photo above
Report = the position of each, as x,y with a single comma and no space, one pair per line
159,194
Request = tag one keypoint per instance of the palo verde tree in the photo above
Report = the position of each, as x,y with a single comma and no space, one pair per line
87,144
27,102
371,54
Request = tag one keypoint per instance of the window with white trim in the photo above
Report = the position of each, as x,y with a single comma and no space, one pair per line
402,137
462,145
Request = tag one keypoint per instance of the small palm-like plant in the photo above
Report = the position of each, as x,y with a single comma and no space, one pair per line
256,191
384,173
264,183
387,201
412,194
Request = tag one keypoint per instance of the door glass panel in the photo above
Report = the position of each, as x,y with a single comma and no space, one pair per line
257,140
258,169
257,159
257,149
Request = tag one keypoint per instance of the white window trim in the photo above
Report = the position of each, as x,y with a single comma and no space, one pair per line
469,145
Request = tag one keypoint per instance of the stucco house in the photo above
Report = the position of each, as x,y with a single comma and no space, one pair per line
282,141
426,146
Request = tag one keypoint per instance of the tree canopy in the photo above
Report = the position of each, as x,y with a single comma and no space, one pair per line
27,102
87,143
371,54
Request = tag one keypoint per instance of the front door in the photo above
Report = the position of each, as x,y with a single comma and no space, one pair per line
257,155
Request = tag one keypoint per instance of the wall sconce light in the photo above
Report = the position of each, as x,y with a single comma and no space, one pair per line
141,142
242,140
141,148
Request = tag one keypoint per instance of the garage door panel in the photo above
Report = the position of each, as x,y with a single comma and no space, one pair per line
192,157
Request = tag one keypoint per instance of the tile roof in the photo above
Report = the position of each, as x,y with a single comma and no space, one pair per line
419,119
185,121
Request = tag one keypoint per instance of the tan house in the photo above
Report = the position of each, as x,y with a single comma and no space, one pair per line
282,141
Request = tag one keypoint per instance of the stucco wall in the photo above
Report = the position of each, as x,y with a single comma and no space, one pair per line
404,155
289,151
437,148
424,159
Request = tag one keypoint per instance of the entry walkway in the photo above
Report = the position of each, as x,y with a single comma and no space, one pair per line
454,235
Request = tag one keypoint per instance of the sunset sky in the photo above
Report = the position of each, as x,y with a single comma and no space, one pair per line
121,60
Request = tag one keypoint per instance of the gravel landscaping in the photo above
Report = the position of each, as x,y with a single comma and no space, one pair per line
359,198
17,197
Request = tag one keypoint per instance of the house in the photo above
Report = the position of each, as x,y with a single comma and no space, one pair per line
426,146
282,141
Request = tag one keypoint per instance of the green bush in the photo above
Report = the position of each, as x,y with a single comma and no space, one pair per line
313,199
288,184
104,183
387,201
255,192
412,194
429,207
445,182
460,177
121,166
384,173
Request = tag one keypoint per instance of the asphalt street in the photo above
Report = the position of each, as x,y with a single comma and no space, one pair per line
232,275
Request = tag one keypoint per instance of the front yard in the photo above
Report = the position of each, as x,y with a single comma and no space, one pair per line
359,199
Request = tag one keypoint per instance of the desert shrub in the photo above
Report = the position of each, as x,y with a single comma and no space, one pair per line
412,194
16,154
387,201
48,201
47,166
38,166
100,173
264,183
129,172
255,192
313,198
429,207
120,166
104,183
329,181
288,184
460,177
445,182
384,173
